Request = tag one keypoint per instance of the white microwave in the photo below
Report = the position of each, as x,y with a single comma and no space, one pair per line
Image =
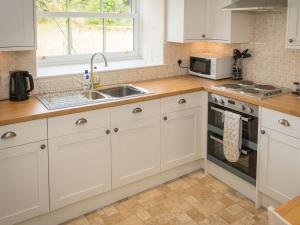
211,66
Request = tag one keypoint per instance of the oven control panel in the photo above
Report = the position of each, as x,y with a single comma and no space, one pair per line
234,104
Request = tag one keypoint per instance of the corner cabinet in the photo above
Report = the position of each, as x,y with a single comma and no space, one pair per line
135,142
204,20
17,25
279,167
182,128
293,24
181,138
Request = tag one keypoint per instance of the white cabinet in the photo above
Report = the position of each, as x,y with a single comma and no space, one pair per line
181,137
293,24
225,26
17,25
279,165
24,182
186,20
135,150
198,20
79,167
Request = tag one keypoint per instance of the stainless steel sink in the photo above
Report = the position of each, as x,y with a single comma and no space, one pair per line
65,99
93,95
123,91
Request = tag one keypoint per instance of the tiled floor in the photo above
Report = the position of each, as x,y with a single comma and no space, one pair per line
191,200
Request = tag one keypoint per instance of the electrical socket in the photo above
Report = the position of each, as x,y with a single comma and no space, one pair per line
179,62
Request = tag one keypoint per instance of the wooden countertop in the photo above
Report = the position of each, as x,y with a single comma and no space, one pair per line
290,211
14,112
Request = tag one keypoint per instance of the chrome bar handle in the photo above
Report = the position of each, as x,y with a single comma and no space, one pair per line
216,139
137,110
284,122
222,111
81,121
8,135
243,151
181,101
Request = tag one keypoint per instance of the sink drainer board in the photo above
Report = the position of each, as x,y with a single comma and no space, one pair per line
73,98
65,99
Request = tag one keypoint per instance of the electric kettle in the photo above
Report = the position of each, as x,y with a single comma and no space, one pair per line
21,84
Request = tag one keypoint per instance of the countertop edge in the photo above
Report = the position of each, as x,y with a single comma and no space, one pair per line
165,88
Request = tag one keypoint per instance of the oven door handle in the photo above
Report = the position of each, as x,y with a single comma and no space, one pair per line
243,151
222,111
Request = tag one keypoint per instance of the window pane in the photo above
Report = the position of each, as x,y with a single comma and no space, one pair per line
87,35
119,35
117,6
51,5
84,5
52,36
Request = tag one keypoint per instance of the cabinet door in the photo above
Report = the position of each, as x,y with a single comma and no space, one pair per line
279,165
293,24
24,182
218,21
17,23
135,151
195,18
79,167
181,138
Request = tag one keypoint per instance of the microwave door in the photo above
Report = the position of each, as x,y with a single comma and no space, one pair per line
201,66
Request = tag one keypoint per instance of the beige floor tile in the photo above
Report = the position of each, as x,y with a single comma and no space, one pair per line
183,218
144,215
110,210
190,200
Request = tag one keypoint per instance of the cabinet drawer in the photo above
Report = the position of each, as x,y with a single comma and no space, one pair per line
135,111
281,122
181,102
23,133
78,122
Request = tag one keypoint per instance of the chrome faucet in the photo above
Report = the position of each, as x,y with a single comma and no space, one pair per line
92,68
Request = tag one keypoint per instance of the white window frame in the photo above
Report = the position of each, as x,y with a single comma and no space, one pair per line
85,58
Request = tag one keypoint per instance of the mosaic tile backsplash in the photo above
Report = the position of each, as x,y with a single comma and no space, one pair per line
271,62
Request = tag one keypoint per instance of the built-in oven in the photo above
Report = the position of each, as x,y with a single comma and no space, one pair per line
245,167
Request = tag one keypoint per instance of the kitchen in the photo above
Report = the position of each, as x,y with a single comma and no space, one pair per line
141,140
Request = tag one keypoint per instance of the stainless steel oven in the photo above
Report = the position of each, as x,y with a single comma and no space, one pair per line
245,167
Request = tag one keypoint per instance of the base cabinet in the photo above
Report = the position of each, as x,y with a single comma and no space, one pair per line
181,138
24,182
135,151
279,165
79,167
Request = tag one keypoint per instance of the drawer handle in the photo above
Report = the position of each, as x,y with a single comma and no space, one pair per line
284,123
8,135
137,110
81,121
181,101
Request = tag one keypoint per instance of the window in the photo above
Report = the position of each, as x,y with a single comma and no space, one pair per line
72,30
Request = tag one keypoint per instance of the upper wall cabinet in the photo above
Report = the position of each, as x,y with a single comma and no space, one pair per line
293,24
204,20
17,30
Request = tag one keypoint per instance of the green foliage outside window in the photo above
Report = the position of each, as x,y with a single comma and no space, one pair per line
109,6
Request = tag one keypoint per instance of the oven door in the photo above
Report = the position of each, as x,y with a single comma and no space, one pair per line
200,66
245,167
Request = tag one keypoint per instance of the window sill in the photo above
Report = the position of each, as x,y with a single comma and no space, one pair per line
75,69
